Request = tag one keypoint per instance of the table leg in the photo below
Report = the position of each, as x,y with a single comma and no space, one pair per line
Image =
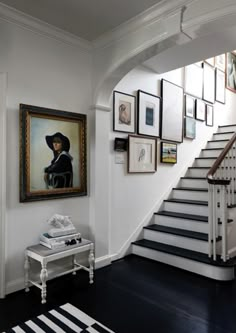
74,263
91,264
27,268
43,277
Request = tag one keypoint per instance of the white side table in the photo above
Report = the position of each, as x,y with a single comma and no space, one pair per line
44,255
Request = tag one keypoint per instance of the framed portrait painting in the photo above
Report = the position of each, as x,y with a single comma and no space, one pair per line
52,154
149,107
168,152
141,154
231,71
124,116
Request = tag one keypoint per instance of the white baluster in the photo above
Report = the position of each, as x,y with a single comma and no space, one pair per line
214,221
210,208
224,223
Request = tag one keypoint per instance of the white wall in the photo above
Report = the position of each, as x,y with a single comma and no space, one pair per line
48,73
134,197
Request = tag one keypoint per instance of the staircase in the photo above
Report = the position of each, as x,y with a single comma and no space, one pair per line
179,235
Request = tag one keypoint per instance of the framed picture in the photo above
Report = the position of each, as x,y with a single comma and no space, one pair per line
52,154
120,144
189,106
211,61
220,62
209,115
149,107
208,83
193,80
231,71
190,128
172,112
123,112
200,109
168,152
220,86
141,154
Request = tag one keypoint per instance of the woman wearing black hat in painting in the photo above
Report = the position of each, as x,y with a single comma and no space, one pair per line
59,173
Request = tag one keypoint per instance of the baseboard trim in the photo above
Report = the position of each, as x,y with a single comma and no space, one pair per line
102,261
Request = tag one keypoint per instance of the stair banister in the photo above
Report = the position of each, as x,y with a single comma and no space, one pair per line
221,185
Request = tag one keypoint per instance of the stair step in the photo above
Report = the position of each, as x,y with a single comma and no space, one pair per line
222,126
183,216
198,189
190,202
189,254
220,133
223,135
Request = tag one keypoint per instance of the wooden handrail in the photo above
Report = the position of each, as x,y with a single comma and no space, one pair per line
217,163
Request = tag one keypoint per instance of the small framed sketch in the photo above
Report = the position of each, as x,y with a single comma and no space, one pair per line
120,144
220,86
190,128
189,106
208,83
220,62
168,152
123,112
231,71
141,154
209,115
200,109
193,80
149,107
172,111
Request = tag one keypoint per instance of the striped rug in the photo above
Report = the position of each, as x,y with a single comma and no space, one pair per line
66,318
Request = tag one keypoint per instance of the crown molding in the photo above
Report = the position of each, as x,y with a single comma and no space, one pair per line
149,16
98,107
28,22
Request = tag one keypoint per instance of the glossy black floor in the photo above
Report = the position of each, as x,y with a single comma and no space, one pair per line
135,295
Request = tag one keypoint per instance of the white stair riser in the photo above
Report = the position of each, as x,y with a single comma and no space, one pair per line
210,153
208,162
213,272
189,195
225,136
186,208
197,172
191,225
227,129
196,183
175,240
216,144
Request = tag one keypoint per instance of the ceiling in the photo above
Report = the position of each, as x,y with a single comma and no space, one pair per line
87,19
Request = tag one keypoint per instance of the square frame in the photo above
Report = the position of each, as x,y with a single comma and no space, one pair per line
189,128
208,83
168,153
193,80
200,109
231,71
142,154
66,176
209,115
189,106
124,112
149,108
220,86
172,112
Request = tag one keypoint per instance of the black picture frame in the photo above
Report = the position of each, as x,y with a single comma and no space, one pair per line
189,106
172,112
124,112
220,86
168,152
231,71
120,144
209,115
64,177
200,109
208,83
189,128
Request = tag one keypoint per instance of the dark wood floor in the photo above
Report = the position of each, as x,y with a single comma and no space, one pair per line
135,295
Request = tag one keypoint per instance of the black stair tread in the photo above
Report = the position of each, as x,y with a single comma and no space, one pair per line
213,149
180,232
226,125
199,167
231,132
186,201
218,140
183,216
191,189
199,178
189,254
205,158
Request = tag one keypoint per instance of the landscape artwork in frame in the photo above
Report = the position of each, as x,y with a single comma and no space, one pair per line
208,83
52,154
189,106
193,80
220,86
231,71
149,107
190,128
172,111
209,115
168,152
200,109
141,154
123,112
220,62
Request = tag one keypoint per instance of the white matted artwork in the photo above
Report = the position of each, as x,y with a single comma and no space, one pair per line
148,114
209,115
172,112
200,109
141,154
220,86
189,106
220,62
193,80
123,112
208,83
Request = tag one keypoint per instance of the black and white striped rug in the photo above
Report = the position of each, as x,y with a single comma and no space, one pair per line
66,318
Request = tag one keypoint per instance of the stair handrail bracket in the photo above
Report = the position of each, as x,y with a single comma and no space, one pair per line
221,180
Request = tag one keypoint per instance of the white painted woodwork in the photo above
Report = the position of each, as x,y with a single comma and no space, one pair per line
216,144
189,195
221,136
213,272
211,153
185,208
203,162
195,172
196,183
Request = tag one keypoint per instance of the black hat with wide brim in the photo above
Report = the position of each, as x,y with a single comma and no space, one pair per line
64,139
